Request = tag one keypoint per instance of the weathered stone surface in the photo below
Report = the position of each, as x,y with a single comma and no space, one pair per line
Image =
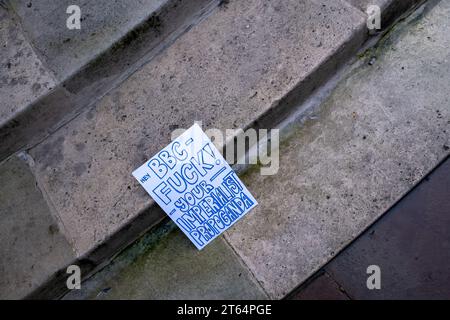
379,133
226,72
165,265
23,78
103,23
112,44
32,247
410,244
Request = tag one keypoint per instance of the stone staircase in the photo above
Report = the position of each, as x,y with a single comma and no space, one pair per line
108,98
71,70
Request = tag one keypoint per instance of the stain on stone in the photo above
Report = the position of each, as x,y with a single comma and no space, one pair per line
53,229
79,169
51,152
36,87
106,290
141,144
90,115
80,147
224,3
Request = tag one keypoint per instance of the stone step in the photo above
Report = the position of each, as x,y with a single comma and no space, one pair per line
247,65
343,163
242,64
52,73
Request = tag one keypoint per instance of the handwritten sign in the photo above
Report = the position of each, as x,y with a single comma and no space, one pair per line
196,187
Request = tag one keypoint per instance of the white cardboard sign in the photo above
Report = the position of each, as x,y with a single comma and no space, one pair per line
196,187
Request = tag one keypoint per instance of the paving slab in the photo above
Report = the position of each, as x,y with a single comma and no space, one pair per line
382,129
164,265
390,9
410,244
32,247
226,72
23,77
103,23
116,38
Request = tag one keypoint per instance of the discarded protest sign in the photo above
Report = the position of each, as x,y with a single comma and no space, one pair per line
196,187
